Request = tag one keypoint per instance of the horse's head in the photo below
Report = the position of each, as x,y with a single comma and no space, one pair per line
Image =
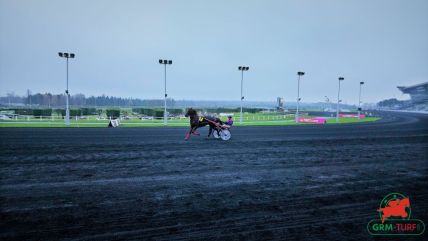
191,113
405,202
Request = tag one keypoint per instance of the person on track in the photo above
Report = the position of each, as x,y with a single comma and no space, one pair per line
229,122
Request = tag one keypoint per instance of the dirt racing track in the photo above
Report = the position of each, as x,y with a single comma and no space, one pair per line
315,182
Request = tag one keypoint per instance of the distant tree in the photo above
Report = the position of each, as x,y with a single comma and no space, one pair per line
158,113
390,103
42,112
59,100
124,113
59,112
113,113
75,112
88,111
175,111
23,111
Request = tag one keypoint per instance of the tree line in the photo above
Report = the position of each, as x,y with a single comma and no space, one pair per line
78,100
118,112
393,102
74,112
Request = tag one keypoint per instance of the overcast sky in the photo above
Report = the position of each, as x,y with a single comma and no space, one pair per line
118,43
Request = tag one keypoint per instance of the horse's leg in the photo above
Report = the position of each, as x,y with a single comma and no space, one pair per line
210,131
195,132
192,128
188,133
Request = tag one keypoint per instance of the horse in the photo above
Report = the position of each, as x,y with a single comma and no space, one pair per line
396,208
200,121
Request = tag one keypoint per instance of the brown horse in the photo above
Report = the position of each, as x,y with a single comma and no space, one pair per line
200,121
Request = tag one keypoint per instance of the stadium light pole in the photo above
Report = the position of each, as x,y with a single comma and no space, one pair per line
298,94
67,108
338,99
165,116
327,100
242,69
359,100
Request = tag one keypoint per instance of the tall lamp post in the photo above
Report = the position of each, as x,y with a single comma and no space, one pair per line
242,69
359,100
338,99
67,110
298,94
327,101
165,115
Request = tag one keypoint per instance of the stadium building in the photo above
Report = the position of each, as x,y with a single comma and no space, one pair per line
280,104
418,93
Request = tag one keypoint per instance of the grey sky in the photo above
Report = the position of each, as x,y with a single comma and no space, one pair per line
118,44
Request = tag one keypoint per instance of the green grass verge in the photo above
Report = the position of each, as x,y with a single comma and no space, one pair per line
352,120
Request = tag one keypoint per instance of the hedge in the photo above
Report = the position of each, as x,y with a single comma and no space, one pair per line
42,112
113,113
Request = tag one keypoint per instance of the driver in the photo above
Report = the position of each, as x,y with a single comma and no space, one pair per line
229,122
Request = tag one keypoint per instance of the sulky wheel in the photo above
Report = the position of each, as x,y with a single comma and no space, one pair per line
216,134
225,134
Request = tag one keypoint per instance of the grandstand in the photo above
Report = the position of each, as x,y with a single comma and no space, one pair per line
418,93
418,96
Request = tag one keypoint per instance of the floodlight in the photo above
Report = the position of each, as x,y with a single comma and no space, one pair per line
67,108
242,69
165,115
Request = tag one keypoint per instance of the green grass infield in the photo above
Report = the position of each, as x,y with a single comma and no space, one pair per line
172,123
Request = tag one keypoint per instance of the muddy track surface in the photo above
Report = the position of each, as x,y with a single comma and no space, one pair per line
315,182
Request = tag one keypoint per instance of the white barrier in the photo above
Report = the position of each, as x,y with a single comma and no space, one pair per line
114,123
